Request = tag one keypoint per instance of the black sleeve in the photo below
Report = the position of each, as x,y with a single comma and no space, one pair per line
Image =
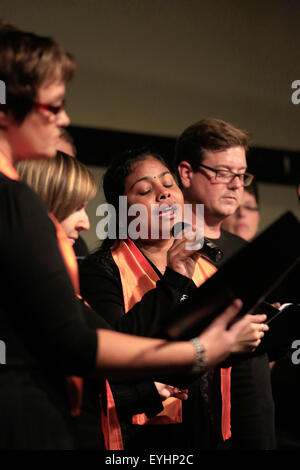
103,290
101,286
252,406
141,397
37,293
133,398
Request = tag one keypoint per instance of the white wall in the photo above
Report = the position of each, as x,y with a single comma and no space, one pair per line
155,66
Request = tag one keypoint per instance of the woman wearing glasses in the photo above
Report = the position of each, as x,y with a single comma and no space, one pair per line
41,319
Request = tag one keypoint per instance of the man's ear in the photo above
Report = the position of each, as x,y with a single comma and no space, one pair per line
184,170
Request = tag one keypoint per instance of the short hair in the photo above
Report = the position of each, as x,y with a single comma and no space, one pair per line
116,174
26,62
62,182
210,134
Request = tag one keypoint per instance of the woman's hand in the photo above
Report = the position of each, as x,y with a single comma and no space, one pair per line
167,391
250,337
218,340
181,259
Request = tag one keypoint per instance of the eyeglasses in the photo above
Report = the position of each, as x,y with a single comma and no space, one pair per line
227,176
50,107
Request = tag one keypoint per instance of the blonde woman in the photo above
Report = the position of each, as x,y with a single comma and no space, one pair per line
66,186
41,321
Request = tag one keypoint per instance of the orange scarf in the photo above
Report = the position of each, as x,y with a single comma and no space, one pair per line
138,277
74,383
114,440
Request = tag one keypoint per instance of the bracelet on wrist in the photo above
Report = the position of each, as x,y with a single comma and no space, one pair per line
200,362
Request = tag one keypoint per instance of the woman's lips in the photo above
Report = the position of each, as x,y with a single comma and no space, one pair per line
166,211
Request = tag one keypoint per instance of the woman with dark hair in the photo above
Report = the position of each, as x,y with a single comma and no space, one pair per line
66,186
41,319
144,279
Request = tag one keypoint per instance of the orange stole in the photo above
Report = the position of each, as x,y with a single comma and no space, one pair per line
138,277
225,373
75,384
112,440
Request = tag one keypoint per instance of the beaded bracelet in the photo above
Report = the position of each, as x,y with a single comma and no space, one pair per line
200,356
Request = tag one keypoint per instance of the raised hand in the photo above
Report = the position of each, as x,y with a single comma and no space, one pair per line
166,391
220,340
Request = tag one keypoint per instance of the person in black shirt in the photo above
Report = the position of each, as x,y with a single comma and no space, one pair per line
41,319
122,268
210,159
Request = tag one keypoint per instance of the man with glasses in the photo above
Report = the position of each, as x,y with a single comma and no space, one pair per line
211,162
210,158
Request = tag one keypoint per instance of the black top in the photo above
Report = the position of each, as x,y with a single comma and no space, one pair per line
41,323
101,286
252,407
229,244
80,248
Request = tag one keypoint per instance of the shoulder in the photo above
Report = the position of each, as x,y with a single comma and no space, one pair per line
99,262
232,239
20,204
229,244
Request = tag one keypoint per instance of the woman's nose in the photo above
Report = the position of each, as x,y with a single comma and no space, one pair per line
241,212
62,118
84,221
164,194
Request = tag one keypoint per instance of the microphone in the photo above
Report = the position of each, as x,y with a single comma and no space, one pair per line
209,250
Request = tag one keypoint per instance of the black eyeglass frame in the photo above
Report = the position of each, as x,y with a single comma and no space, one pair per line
249,177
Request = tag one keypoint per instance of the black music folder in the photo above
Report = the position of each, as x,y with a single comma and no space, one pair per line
251,275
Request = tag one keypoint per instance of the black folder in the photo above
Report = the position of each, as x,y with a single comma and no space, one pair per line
251,275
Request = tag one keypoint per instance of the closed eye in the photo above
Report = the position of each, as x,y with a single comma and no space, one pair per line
143,193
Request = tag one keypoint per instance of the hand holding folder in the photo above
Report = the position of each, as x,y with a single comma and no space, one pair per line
251,275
